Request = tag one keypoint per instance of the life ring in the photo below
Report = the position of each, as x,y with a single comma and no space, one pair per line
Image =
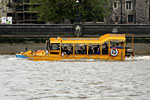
114,52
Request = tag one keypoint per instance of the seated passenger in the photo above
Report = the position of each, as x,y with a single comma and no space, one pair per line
105,50
82,50
113,45
85,50
98,51
65,50
117,46
71,51
90,51
95,50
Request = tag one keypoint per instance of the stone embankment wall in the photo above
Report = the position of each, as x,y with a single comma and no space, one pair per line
67,30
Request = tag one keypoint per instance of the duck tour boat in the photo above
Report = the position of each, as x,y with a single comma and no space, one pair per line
106,47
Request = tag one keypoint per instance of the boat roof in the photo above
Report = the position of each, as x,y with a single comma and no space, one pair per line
100,40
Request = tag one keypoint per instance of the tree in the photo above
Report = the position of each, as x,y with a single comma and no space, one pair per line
58,10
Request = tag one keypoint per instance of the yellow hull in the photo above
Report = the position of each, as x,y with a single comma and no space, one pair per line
72,57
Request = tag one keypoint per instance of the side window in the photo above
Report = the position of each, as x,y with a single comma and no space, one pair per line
67,48
94,49
80,49
55,46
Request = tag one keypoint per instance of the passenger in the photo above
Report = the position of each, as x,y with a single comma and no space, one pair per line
113,45
90,51
65,50
85,50
98,51
62,54
71,51
82,50
105,49
95,50
117,46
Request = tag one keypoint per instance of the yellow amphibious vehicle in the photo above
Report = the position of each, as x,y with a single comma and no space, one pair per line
106,47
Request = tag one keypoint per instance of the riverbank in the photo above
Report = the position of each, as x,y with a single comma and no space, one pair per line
13,48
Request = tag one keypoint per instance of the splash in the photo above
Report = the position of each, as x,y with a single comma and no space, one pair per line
8,57
138,58
142,58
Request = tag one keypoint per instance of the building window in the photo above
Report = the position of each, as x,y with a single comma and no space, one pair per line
129,5
115,5
130,18
117,19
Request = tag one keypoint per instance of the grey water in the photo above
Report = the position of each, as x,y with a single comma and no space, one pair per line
22,79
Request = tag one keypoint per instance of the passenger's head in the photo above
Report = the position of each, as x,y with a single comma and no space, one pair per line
117,44
113,45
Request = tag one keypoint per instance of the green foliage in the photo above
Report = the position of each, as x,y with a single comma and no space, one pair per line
58,10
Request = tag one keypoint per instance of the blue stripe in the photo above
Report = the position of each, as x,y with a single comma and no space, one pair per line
21,56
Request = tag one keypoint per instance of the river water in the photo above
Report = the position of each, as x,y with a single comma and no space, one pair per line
21,79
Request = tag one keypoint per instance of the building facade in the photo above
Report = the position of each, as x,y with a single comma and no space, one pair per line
21,13
121,12
3,8
129,12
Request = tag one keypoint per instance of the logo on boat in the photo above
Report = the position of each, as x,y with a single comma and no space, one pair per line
114,52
